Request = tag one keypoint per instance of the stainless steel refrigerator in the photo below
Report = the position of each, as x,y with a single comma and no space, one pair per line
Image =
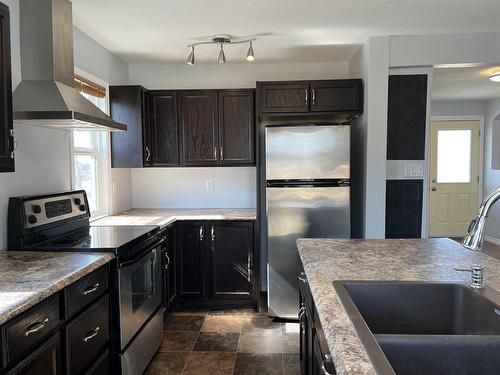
307,193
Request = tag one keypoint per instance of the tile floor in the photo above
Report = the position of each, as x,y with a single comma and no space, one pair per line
239,342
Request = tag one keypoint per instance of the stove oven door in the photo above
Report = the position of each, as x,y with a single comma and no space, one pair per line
140,292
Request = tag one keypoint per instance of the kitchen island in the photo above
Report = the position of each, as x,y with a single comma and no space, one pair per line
328,260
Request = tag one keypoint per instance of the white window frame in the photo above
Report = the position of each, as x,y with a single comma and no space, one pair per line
102,154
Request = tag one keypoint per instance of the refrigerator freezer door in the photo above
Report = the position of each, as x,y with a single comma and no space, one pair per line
307,152
292,213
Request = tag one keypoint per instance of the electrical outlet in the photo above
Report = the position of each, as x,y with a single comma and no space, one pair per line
414,170
210,185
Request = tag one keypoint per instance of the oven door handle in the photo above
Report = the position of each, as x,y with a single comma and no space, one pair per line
142,253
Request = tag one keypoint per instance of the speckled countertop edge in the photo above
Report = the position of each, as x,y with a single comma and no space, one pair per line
327,260
18,294
165,217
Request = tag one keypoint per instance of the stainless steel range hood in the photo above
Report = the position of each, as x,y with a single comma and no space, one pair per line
46,95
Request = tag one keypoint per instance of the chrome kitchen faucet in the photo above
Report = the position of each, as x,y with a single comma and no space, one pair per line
474,238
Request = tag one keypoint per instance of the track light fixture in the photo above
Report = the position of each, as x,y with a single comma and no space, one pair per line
222,55
190,59
250,54
222,40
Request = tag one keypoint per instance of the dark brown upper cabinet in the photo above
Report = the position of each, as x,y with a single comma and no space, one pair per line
285,97
336,96
341,97
192,128
129,105
6,135
236,127
198,124
163,129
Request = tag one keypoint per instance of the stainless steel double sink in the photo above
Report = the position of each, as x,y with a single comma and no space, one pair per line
413,328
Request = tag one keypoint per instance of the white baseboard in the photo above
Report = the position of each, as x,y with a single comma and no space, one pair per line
493,240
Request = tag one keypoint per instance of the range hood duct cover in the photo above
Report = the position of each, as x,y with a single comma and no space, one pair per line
46,96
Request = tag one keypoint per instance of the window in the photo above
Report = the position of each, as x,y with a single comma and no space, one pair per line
454,156
90,153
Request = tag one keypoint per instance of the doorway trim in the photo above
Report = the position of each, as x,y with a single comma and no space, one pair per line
479,118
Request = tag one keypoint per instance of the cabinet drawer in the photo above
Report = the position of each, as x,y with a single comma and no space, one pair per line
45,360
86,290
87,336
101,366
29,329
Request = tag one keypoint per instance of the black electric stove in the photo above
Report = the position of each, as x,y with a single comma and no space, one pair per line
60,222
118,240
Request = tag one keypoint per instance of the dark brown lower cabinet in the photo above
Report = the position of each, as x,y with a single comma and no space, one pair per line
314,357
45,360
230,258
190,264
215,263
67,332
169,281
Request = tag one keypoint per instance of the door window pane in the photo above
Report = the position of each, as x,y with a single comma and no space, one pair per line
454,156
86,177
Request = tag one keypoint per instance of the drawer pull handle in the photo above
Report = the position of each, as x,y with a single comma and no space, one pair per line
35,327
91,334
91,289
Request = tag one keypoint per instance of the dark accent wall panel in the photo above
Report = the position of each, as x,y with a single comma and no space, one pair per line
406,117
403,211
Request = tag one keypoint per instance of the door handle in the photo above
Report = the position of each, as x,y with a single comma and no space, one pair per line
313,96
35,327
212,232
201,233
221,153
215,153
91,289
434,188
148,157
307,96
90,335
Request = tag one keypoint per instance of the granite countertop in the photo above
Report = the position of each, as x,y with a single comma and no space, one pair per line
28,277
327,260
164,217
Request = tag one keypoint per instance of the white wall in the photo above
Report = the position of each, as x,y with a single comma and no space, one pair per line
229,75
458,108
186,187
491,157
43,155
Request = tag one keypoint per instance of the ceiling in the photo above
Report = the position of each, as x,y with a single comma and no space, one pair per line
464,84
288,31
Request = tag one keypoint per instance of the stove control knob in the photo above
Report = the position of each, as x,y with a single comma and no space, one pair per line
37,209
32,219
77,201
82,207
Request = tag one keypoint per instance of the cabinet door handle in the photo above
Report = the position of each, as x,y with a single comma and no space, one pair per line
302,277
148,156
91,289
168,261
328,359
221,153
201,233
91,334
35,327
215,153
307,96
14,144
212,233
313,96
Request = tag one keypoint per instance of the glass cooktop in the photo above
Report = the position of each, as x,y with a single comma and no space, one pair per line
116,239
